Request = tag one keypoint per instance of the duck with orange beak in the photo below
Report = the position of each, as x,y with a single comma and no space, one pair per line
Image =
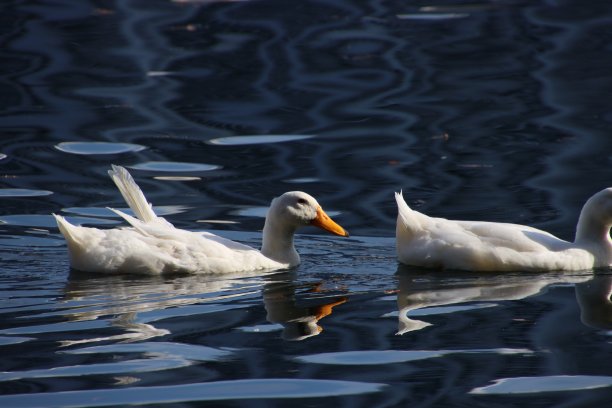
286,214
153,246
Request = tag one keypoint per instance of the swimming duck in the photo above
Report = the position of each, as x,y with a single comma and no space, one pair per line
491,246
154,246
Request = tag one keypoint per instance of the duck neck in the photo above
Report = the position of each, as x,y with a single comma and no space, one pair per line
592,231
278,242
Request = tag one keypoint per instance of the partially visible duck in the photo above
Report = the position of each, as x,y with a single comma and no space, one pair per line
491,246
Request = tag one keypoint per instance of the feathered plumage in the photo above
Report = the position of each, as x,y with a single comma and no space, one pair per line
491,246
154,246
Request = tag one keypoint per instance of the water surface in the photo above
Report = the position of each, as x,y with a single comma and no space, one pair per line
495,111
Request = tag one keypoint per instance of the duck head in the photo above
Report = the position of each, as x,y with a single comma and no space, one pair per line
286,214
296,209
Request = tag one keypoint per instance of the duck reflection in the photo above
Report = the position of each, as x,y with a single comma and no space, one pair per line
594,300
133,304
418,290
299,318
134,331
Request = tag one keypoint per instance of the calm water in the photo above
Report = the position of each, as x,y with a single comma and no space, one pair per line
493,110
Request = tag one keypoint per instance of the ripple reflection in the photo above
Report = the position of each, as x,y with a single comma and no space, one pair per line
257,139
94,148
536,385
167,166
271,388
23,192
420,291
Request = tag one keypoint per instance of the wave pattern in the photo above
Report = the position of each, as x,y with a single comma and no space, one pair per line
78,340
487,110
471,109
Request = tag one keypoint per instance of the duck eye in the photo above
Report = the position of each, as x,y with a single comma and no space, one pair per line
302,201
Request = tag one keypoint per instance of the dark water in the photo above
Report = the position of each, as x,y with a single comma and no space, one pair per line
495,110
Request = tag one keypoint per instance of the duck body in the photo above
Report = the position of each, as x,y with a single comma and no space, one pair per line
149,250
153,245
490,246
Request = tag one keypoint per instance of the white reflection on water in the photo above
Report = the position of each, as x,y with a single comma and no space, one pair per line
160,348
376,357
134,305
47,221
262,211
257,139
23,192
269,388
419,291
95,148
126,366
303,180
94,304
177,178
552,383
432,16
162,210
168,166
4,341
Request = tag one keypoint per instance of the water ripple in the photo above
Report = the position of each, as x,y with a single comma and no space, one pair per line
256,139
93,148
120,367
23,192
160,348
492,110
162,210
375,357
273,388
536,385
47,221
167,166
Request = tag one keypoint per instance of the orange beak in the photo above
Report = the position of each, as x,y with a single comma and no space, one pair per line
324,222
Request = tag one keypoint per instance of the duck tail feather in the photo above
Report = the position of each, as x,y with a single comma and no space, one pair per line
69,231
407,216
132,194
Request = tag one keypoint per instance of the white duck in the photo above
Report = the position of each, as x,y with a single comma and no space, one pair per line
154,246
491,246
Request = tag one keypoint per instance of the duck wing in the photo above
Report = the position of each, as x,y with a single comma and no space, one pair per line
516,237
